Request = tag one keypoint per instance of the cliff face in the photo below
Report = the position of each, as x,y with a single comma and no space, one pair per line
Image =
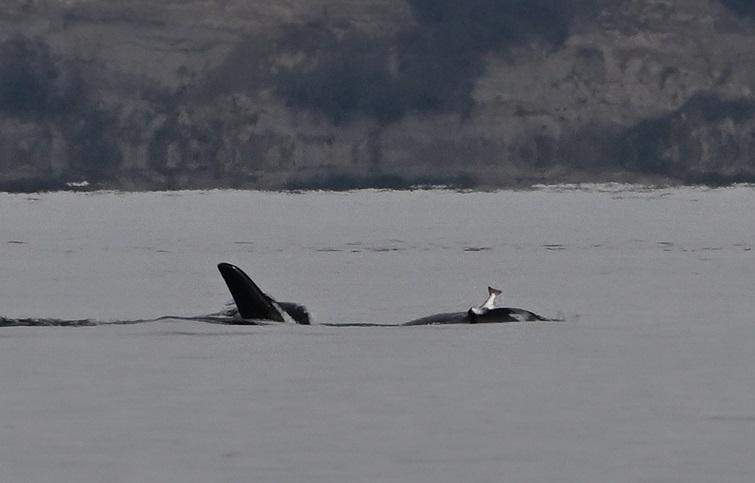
183,93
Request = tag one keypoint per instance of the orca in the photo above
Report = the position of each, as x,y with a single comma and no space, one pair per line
497,315
253,305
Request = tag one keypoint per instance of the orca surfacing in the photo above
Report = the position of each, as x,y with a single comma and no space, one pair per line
252,304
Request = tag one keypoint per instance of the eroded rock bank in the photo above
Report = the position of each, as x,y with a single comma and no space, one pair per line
340,94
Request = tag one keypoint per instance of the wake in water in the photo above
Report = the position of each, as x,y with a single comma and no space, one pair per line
52,322
32,322
212,319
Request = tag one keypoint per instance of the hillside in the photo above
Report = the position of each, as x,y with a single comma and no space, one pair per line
136,94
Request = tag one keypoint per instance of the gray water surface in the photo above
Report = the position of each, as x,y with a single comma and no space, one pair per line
649,379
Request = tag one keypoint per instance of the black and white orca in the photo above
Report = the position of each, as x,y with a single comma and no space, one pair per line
252,304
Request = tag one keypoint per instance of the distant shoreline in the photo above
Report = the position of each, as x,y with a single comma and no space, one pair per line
602,185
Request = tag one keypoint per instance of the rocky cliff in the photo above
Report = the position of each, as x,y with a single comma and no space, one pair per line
137,94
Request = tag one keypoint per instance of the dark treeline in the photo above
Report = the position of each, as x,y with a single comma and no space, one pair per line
37,85
431,67
31,81
741,7
648,146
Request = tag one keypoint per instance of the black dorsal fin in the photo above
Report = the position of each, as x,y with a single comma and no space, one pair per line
251,302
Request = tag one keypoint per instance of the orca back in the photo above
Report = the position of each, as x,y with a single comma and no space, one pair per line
504,314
